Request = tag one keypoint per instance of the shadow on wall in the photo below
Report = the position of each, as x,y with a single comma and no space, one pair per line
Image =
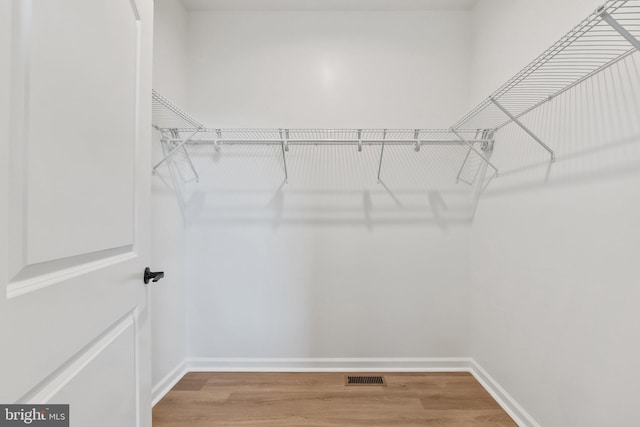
329,186
594,129
171,179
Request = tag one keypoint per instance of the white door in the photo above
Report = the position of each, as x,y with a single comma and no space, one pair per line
75,92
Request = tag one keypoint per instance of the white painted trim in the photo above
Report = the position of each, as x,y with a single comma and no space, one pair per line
235,364
15,289
168,382
390,364
431,364
321,5
52,385
504,399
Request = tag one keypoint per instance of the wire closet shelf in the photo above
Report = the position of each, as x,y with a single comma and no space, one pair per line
179,129
608,35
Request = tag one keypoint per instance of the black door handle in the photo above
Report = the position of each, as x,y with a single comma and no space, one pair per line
154,276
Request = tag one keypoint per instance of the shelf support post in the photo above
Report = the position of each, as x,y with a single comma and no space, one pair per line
176,148
613,23
216,142
193,168
384,137
524,128
470,145
176,135
285,147
464,162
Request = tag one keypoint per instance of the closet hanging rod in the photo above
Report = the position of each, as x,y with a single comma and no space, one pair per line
288,137
328,142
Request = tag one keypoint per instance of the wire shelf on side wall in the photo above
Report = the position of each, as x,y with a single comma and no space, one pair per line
609,34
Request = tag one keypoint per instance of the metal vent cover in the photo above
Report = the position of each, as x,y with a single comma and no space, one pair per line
364,380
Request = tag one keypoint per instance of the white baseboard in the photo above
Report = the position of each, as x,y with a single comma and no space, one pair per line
508,403
163,387
430,364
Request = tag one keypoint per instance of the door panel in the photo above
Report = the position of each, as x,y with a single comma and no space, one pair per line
107,363
50,327
74,192
78,127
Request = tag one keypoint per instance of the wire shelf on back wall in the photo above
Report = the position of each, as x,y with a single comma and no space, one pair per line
168,118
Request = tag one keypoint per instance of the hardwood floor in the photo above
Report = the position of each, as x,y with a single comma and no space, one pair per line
322,399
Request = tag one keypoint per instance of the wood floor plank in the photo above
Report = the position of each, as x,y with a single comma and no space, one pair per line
190,384
457,397
322,399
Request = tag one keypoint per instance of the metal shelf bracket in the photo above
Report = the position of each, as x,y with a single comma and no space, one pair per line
613,23
524,128
285,147
177,147
384,138
472,148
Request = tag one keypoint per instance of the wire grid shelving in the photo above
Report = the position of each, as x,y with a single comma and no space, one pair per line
414,137
608,35
180,130
166,115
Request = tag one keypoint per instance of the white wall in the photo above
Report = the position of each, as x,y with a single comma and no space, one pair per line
170,50
168,297
328,69
331,264
507,35
554,260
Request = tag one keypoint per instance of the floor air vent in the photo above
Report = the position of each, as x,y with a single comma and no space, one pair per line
364,380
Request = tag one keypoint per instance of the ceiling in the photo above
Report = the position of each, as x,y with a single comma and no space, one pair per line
194,5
